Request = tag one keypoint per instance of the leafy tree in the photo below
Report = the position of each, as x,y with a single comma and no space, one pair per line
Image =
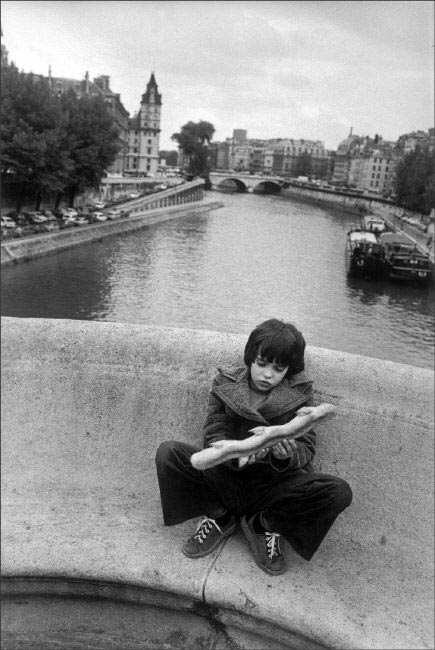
414,182
171,157
303,164
91,139
193,140
31,133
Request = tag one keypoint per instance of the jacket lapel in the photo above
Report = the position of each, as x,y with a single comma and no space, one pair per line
283,398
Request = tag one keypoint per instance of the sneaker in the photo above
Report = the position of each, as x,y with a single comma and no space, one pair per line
207,537
265,549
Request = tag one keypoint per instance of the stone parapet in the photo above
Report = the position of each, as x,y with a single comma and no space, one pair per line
85,555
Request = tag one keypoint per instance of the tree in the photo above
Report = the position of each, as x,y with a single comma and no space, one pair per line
91,139
170,157
31,134
193,140
51,145
414,183
303,164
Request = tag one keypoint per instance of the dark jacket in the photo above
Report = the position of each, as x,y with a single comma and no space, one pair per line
229,414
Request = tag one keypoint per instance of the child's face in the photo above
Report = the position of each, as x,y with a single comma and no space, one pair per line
266,375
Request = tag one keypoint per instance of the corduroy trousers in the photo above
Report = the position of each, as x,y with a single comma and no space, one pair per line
300,505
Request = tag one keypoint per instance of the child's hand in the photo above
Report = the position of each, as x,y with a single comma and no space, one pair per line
248,460
305,410
283,450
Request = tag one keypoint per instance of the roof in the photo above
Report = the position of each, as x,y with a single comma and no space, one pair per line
395,238
363,236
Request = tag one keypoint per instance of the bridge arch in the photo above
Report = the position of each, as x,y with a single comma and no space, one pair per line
232,183
267,187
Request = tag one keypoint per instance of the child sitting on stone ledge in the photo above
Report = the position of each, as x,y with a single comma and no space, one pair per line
276,491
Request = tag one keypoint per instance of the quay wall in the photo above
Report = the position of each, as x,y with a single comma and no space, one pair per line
26,248
85,556
358,205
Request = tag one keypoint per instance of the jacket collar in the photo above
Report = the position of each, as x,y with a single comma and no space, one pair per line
281,399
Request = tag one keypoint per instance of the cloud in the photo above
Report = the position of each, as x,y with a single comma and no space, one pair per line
279,69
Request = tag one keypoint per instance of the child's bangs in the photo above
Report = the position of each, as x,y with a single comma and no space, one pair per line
277,348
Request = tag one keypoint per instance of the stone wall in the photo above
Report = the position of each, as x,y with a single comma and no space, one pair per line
26,248
84,407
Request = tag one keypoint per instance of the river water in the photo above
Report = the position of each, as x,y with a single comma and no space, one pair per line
227,270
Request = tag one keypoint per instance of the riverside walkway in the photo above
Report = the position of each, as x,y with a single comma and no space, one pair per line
143,212
86,560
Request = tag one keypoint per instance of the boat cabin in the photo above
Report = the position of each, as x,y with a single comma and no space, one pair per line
362,239
373,223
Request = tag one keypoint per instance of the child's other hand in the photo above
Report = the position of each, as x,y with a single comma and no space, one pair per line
283,450
253,458
305,410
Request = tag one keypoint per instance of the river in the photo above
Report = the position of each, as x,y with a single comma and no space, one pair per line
227,270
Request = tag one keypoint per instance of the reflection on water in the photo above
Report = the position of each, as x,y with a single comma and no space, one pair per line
227,270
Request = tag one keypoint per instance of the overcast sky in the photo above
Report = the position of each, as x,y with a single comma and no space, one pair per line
277,69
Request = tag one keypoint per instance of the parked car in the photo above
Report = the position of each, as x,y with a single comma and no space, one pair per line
134,195
99,205
66,222
18,218
81,220
99,216
60,213
35,217
8,222
49,214
71,212
113,214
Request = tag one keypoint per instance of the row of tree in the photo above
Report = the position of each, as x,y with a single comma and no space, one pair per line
61,146
415,181
56,146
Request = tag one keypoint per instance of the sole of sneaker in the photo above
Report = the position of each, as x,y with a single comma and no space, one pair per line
216,545
253,546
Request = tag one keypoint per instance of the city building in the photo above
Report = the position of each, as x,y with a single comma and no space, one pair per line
343,158
99,87
409,141
367,164
280,156
144,133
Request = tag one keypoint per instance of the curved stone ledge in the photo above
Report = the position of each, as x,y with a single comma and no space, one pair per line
84,407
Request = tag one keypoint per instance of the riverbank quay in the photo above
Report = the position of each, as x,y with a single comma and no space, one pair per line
21,250
359,206
86,559
349,202
417,236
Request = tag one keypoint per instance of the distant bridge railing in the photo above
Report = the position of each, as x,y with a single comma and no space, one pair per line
178,195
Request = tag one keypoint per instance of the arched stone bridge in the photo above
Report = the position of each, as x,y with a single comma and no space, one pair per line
247,182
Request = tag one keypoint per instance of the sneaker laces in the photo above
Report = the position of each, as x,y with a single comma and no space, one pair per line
272,544
204,528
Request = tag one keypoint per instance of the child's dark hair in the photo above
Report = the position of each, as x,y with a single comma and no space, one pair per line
279,342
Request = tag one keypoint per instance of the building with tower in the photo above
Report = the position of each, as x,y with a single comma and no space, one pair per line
144,133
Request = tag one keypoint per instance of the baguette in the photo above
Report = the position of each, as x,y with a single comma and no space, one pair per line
223,450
